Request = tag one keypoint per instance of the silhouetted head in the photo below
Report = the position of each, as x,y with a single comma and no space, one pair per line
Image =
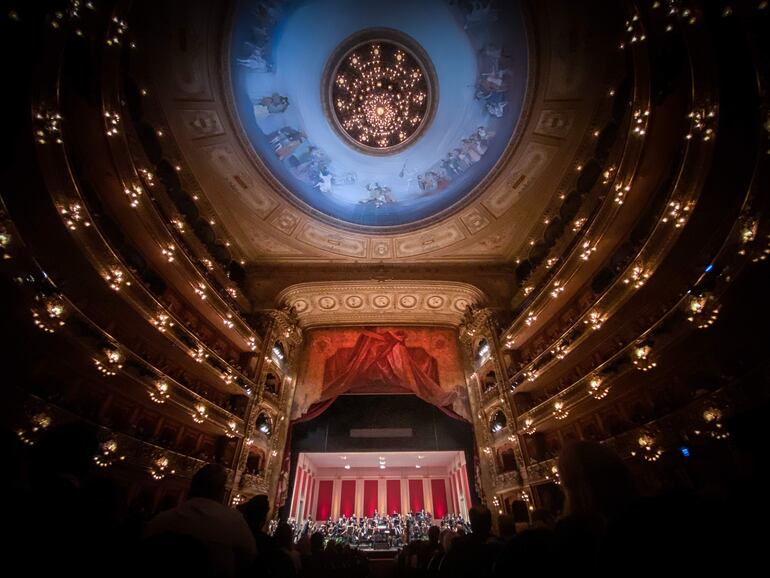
316,542
481,520
255,511
209,482
283,535
433,534
446,539
594,478
507,526
542,518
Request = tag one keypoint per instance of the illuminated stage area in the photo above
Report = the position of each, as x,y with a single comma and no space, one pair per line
333,485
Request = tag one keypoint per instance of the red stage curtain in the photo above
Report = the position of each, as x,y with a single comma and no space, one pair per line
393,491
383,358
324,508
370,497
348,498
416,497
313,412
438,489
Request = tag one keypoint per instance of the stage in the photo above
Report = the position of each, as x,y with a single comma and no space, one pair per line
362,484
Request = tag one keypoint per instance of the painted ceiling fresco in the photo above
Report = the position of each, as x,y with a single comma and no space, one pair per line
280,56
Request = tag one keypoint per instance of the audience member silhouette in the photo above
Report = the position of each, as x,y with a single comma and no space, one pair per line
222,531
271,559
73,524
597,486
473,554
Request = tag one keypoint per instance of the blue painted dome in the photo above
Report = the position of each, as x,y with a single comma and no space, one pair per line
474,54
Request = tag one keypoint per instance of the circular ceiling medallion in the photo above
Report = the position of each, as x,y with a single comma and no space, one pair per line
327,302
354,301
379,90
435,301
408,301
461,304
381,301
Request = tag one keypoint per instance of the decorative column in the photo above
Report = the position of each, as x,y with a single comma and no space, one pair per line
511,414
404,494
285,330
282,327
313,499
427,493
382,495
480,324
336,495
252,411
359,509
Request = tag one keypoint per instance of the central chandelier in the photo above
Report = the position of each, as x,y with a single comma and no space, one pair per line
380,91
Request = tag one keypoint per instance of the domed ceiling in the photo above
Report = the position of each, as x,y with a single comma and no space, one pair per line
379,131
378,113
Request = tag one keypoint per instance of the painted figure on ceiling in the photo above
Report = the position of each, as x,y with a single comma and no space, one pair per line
256,60
379,195
273,104
285,140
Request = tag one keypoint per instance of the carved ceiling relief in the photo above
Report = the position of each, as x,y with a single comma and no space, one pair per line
523,172
285,220
287,331
555,123
475,220
191,75
240,179
381,249
201,123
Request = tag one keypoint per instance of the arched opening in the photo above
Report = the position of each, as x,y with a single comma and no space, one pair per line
271,384
490,381
498,422
482,351
254,462
264,424
506,460
278,354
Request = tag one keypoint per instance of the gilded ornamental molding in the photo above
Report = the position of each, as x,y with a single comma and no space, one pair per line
399,302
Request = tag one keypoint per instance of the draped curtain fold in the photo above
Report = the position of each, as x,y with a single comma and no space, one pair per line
384,359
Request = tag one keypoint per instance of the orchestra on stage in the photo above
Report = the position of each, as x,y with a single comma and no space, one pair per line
377,531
